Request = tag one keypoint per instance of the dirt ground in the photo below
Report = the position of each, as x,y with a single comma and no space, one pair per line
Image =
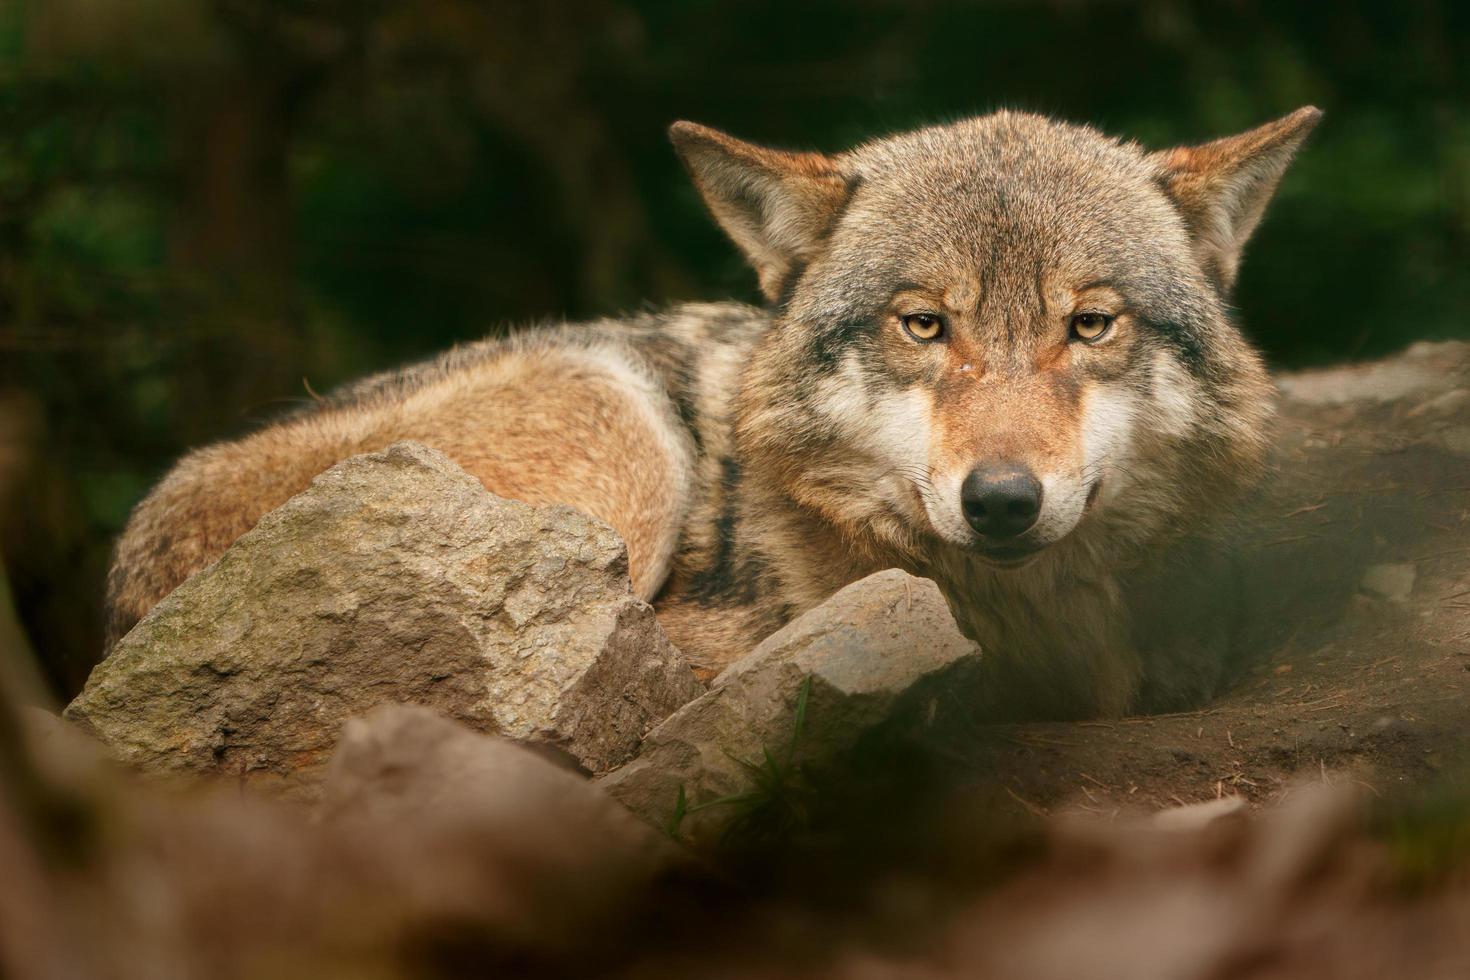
1390,710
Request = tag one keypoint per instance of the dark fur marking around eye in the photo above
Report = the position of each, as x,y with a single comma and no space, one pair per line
1186,342
828,345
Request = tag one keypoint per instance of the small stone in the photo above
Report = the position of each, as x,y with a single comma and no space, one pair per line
1456,439
1392,582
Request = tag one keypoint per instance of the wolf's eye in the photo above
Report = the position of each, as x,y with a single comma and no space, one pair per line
923,327
1091,327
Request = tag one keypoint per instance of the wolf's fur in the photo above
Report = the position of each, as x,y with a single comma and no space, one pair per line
757,460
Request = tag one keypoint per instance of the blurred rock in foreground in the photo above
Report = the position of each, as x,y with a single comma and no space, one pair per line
434,843
439,852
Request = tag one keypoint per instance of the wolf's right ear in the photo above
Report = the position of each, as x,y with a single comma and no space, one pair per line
777,206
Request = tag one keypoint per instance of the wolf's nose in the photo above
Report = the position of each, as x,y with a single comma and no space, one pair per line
1001,501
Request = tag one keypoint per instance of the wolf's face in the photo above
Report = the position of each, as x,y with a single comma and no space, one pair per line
992,331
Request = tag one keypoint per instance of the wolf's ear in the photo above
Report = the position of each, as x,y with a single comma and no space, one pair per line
1223,187
777,206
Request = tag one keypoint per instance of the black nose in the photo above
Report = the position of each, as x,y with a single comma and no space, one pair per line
1001,501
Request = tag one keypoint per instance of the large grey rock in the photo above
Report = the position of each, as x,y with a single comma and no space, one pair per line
394,577
881,647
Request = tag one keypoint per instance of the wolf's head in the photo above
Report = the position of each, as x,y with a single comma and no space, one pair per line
993,332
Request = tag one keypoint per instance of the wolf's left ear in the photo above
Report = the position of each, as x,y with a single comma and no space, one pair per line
777,206
1223,187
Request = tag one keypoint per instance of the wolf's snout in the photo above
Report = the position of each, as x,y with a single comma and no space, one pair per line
1001,501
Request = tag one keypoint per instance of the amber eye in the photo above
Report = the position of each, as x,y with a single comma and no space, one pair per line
923,327
1091,327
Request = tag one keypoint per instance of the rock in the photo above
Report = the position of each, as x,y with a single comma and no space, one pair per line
439,852
1393,581
394,577
1419,372
484,828
1456,439
881,647
1452,402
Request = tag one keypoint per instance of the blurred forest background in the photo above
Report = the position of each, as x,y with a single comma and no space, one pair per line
210,209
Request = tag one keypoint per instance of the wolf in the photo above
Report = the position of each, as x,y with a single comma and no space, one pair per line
997,353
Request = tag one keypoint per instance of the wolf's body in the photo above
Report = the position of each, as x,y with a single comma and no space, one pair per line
757,460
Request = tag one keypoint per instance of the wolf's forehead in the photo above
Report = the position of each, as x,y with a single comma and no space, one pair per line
1002,198
981,182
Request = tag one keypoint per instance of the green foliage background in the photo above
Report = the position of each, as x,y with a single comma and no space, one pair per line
208,205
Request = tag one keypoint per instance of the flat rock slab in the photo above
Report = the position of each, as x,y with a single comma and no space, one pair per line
395,577
880,648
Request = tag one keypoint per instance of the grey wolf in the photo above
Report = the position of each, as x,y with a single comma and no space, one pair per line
996,353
